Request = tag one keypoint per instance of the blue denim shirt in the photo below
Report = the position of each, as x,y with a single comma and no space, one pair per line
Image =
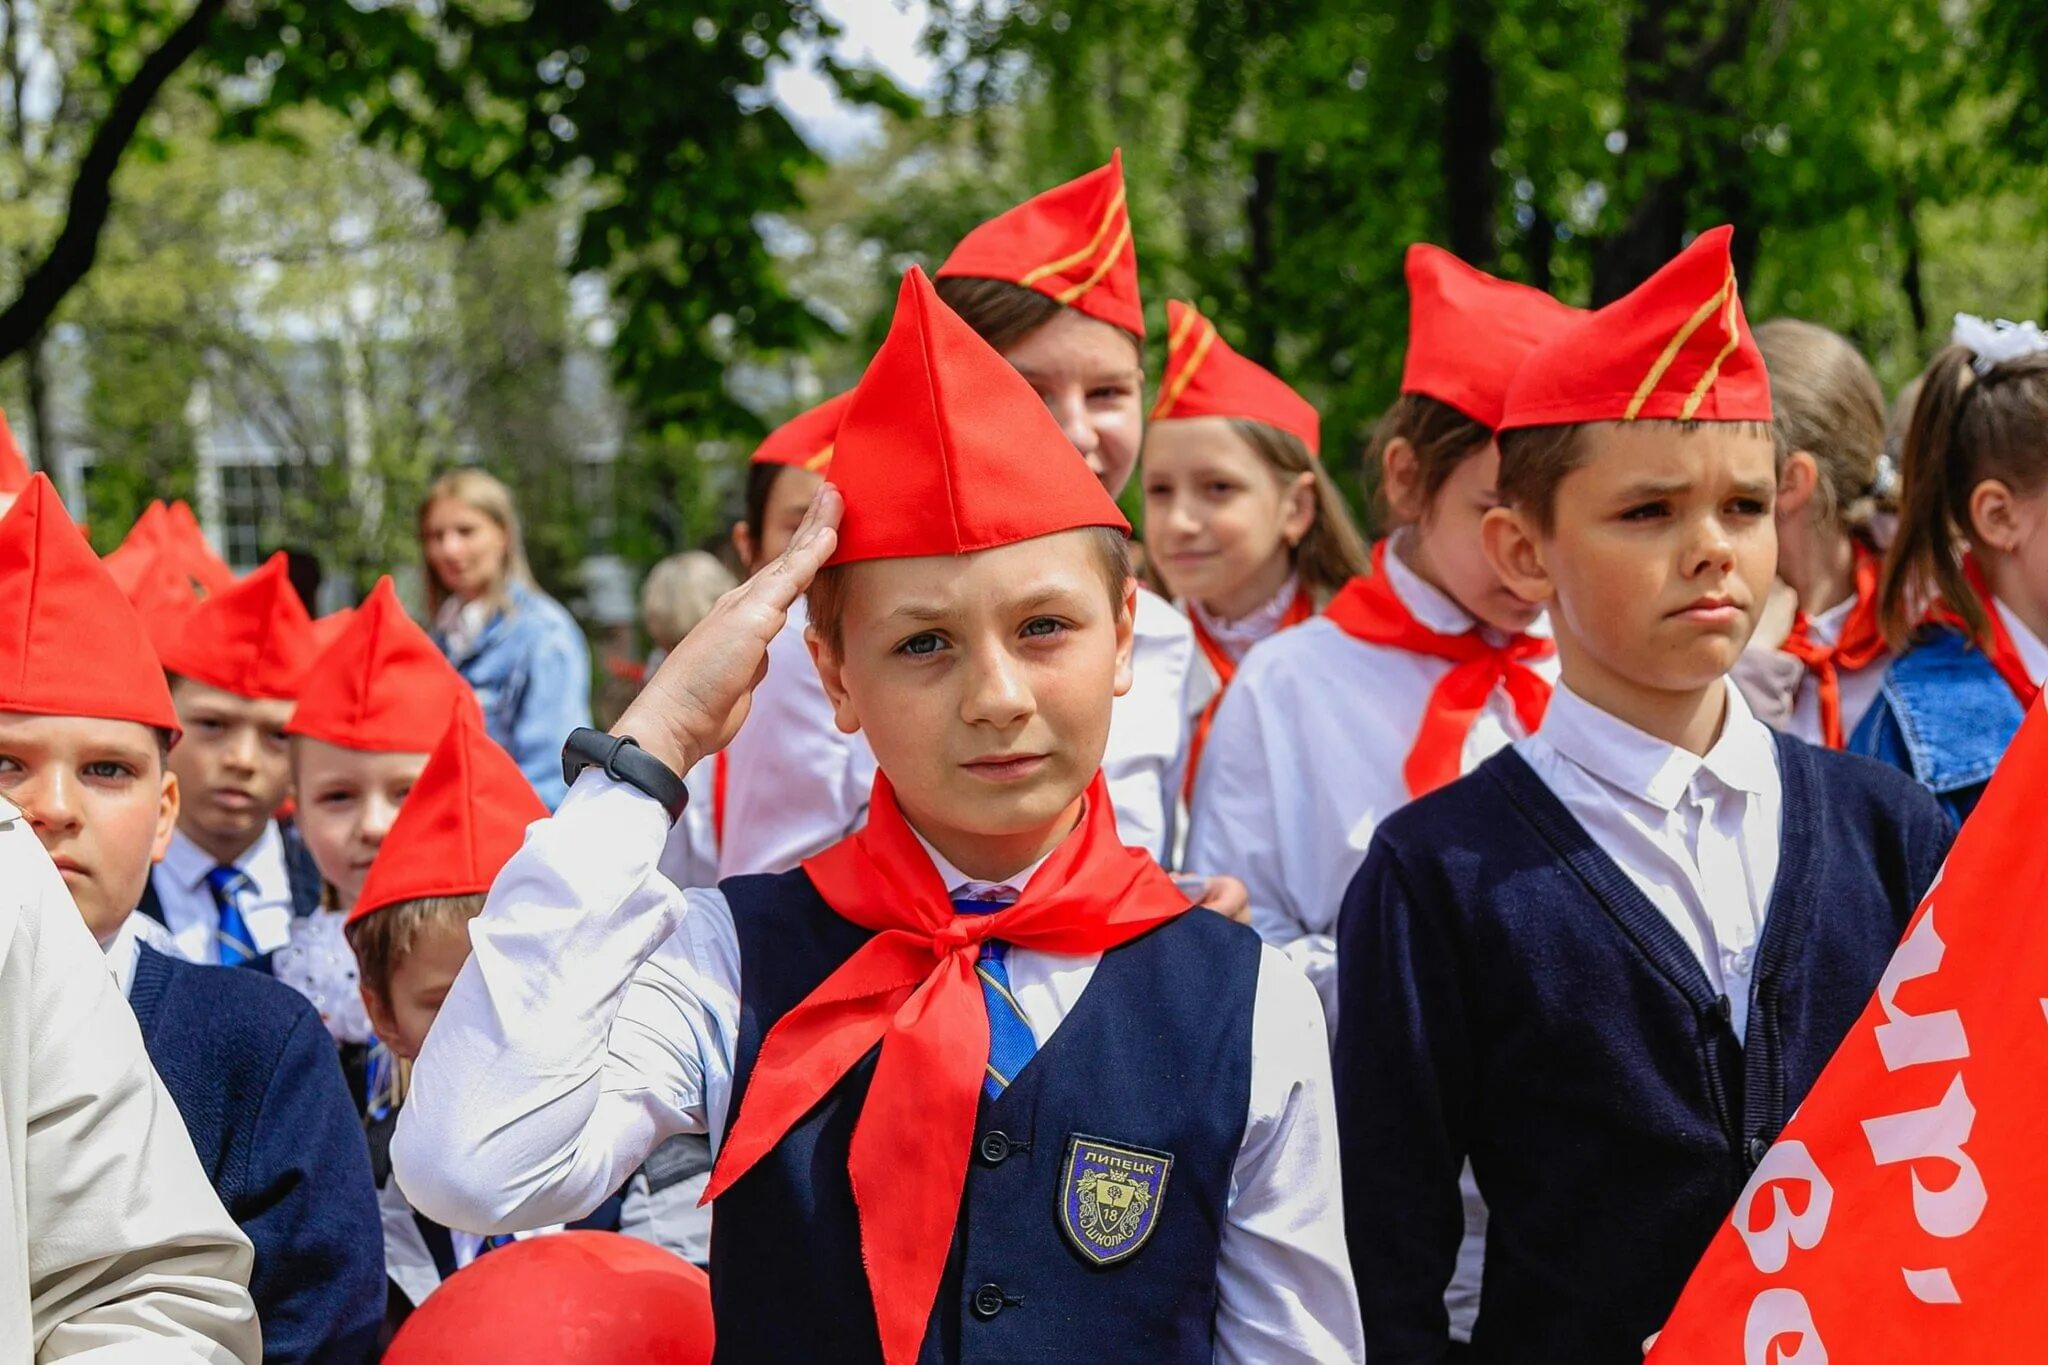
531,672
1945,716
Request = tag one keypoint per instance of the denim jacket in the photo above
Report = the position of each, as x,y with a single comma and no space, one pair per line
1945,716
531,672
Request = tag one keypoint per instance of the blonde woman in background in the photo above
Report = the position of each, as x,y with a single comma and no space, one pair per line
517,647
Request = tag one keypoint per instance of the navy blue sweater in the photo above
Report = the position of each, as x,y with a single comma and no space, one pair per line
255,1078
1509,995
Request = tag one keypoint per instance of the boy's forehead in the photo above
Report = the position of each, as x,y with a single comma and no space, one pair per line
63,733
879,588
1620,453
191,695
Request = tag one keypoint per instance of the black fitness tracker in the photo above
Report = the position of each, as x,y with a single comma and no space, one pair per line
623,760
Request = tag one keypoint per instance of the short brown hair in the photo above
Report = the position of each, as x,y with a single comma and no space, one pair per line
382,938
1001,313
1826,401
1535,460
825,601
1441,436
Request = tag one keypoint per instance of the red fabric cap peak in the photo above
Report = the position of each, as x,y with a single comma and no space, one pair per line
70,645
1205,378
382,686
1071,243
464,818
196,554
805,440
945,450
254,639
146,539
1468,332
327,629
13,468
594,1298
1676,348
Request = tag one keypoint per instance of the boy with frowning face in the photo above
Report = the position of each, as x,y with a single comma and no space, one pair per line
951,1063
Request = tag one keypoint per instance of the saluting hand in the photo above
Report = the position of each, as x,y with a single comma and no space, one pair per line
696,700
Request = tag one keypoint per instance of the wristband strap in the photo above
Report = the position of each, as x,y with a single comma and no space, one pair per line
623,760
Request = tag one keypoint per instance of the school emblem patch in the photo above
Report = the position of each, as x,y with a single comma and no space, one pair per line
1110,1197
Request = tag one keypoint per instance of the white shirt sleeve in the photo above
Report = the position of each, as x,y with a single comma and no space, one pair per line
1148,730
597,1015
113,1245
1283,1275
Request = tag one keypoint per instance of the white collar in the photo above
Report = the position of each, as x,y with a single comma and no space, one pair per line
136,932
187,864
1427,603
1642,766
2033,654
956,880
1825,627
1238,636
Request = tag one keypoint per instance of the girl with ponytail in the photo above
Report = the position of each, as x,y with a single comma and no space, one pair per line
1964,592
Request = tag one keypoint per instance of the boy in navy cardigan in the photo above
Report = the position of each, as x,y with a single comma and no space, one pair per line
1607,965
86,722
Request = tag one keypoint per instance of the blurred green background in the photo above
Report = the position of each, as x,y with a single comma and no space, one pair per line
290,259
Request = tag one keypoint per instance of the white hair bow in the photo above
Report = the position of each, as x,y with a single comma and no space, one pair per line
1994,343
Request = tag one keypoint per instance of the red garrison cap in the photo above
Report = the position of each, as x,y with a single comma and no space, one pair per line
381,686
805,440
1468,332
1677,347
13,468
1071,243
566,1298
1205,378
945,450
70,644
252,639
463,820
195,553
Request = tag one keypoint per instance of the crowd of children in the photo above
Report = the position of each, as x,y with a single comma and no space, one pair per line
976,942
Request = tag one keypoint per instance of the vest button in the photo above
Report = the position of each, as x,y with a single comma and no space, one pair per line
987,1301
1758,1145
995,1147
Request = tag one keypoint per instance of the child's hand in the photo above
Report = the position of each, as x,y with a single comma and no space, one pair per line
1227,896
694,703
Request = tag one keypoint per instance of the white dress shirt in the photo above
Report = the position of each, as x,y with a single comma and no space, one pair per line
1305,759
1860,686
136,932
113,1244
2033,653
1236,638
796,785
188,905
599,1013
1697,835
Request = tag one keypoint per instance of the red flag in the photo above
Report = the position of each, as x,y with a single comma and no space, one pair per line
1898,1218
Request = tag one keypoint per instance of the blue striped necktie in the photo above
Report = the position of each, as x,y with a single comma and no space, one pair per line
229,885
1010,1041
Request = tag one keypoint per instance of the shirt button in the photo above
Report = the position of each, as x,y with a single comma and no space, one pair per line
995,1147
987,1301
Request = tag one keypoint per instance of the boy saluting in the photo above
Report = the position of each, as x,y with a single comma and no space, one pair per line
980,1085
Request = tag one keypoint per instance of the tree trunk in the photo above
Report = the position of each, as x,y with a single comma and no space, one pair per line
1258,267
1471,135
1909,274
42,439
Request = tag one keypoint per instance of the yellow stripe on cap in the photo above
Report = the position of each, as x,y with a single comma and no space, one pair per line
1178,385
819,460
1065,263
1699,390
1675,345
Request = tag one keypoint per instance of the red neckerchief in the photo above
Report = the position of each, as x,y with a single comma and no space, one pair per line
1300,609
912,989
1860,645
1369,609
721,774
1999,648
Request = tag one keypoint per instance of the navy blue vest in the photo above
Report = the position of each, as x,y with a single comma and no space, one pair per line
1155,1058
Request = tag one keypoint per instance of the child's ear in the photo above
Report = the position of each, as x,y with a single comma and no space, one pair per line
1126,636
743,545
1796,484
166,817
1994,516
1515,552
1298,516
832,673
382,1022
1401,479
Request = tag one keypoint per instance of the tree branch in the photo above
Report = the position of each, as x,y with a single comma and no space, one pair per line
78,244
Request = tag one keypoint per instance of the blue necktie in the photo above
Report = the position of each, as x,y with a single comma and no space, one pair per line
1010,1041
229,885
